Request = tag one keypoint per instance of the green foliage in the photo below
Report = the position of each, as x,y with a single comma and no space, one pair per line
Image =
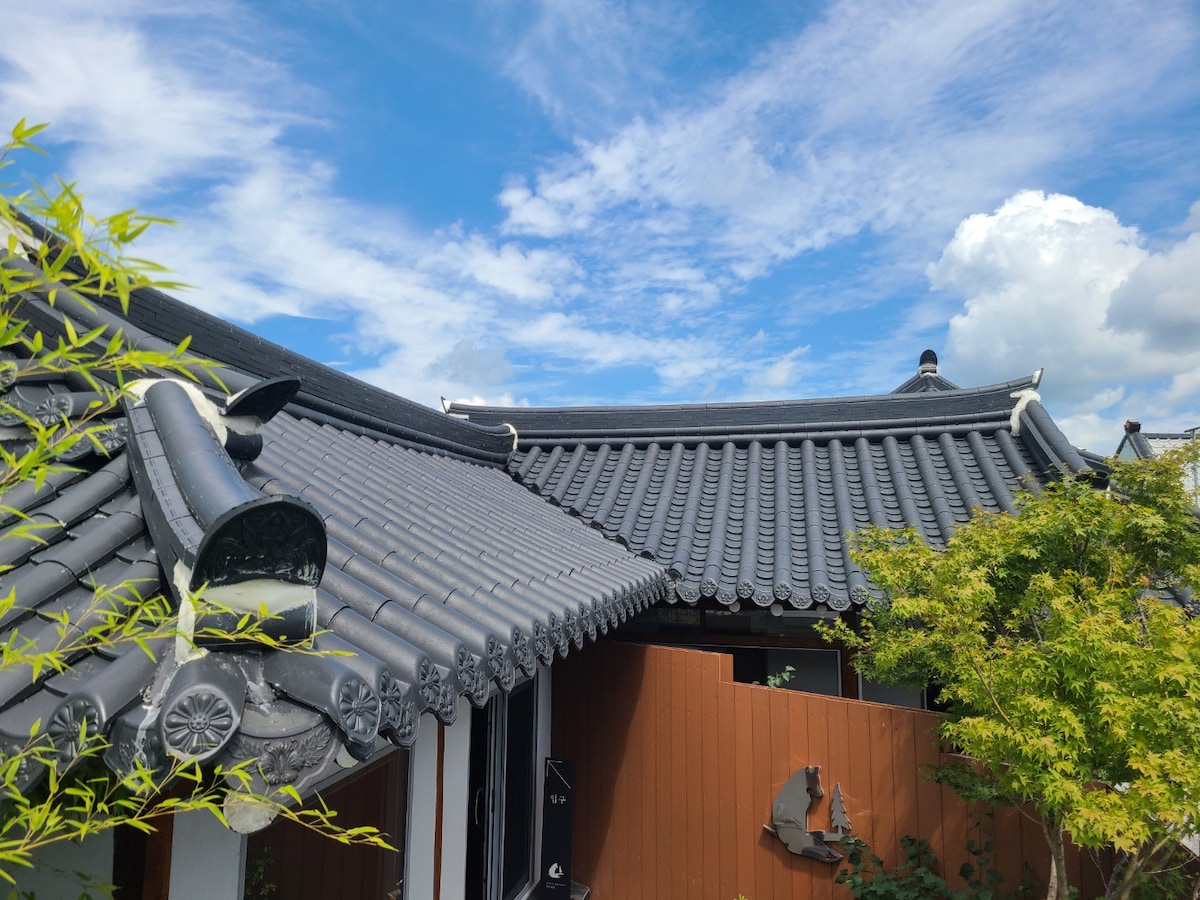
779,679
259,885
1068,680
917,877
79,796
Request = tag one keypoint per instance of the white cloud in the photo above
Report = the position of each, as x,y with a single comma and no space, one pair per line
587,61
528,275
161,107
505,399
1161,299
879,117
677,361
1048,281
777,378
137,121
642,247
1037,277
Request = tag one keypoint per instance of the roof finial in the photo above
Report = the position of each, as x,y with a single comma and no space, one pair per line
928,364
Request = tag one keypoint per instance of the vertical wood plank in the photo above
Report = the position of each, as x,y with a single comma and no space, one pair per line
1074,874
601,771
726,787
762,792
649,714
589,764
157,880
790,879
682,777
883,786
711,849
725,667
616,839
1093,869
928,794
747,829
838,731
694,781
904,766
664,729
859,780
957,828
1035,851
820,875
1006,838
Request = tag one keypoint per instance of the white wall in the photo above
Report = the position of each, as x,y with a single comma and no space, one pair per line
456,769
53,875
208,861
422,810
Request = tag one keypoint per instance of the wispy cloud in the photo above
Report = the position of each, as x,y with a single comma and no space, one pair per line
588,63
658,244
880,117
163,107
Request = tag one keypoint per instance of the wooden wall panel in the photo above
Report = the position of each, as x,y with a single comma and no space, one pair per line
677,767
301,864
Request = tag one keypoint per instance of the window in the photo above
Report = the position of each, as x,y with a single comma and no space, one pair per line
815,671
895,695
503,776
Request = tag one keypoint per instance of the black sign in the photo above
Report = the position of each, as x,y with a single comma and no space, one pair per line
558,807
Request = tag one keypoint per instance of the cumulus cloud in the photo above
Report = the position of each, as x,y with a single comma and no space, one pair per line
649,245
877,124
1161,299
1048,281
877,117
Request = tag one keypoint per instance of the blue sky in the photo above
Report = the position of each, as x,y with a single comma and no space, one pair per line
580,201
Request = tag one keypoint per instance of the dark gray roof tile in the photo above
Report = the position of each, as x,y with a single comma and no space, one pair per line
753,502
435,569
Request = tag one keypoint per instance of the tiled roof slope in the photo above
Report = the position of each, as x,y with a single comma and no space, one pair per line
431,576
1138,444
751,502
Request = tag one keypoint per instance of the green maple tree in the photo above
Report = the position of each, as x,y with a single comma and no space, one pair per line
1068,669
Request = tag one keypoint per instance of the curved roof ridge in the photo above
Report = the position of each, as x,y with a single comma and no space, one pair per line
960,405
327,392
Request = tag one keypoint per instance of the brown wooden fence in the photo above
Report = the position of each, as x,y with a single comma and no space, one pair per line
287,861
677,766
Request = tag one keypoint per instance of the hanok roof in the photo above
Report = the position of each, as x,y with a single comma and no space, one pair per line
392,528
751,502
1138,444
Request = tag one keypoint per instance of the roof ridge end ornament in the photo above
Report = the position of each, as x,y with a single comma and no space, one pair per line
1023,398
263,400
238,419
229,550
928,364
26,243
